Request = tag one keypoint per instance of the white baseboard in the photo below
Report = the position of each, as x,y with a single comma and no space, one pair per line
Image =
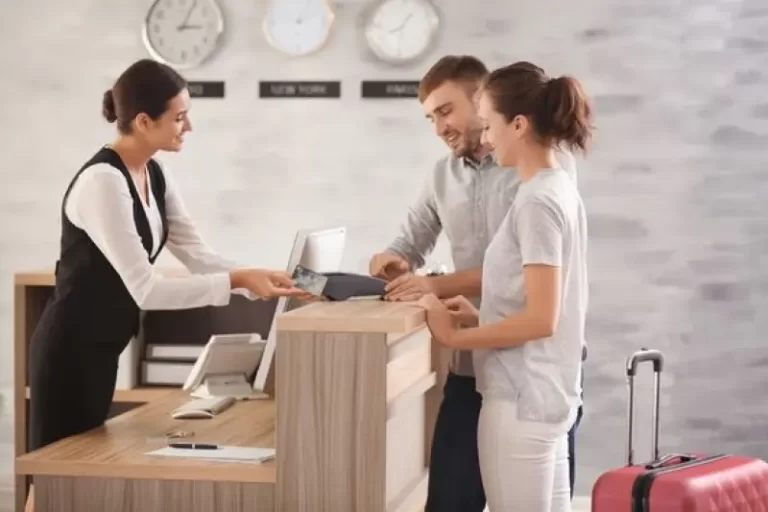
581,504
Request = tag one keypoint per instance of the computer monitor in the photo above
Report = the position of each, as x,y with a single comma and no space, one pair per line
321,250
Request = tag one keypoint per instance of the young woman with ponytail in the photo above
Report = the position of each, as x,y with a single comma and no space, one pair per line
528,336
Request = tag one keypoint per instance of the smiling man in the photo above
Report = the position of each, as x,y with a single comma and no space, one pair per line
467,195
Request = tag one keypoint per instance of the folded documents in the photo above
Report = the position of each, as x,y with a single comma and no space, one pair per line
220,454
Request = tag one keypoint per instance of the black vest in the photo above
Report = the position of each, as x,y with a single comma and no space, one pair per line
91,304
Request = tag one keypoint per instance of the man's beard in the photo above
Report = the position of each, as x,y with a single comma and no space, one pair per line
471,143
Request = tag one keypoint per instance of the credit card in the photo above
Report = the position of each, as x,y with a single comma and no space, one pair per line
309,280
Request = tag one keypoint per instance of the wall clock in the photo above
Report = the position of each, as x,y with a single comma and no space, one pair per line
298,27
183,33
401,31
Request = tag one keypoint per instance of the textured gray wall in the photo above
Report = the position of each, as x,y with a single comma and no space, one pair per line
675,185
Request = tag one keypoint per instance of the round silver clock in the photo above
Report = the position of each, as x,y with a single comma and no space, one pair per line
401,31
298,27
183,33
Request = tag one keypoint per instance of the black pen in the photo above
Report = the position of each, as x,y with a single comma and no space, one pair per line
194,446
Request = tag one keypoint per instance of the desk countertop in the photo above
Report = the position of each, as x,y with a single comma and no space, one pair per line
363,315
34,278
119,448
46,277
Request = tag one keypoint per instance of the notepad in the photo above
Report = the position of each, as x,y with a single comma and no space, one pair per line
243,454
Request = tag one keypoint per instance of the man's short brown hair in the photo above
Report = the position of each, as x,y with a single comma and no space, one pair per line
452,68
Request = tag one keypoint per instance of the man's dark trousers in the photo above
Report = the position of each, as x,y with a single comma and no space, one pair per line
455,483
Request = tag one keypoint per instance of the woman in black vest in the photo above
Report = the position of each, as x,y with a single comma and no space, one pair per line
118,212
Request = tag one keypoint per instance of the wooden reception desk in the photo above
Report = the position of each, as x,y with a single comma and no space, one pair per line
108,468
351,421
32,290
351,379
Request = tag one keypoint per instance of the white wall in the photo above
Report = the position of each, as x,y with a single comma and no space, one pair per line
675,186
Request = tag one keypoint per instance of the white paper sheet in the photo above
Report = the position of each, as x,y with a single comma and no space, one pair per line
223,454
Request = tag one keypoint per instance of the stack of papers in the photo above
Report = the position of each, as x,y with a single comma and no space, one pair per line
221,454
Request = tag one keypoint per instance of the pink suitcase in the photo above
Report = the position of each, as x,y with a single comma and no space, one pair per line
678,482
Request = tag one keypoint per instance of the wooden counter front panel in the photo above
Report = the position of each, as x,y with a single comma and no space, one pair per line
409,377
80,494
351,420
331,422
409,360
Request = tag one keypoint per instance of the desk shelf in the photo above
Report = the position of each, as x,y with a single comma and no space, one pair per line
138,395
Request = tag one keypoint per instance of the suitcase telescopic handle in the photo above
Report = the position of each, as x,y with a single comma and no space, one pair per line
641,356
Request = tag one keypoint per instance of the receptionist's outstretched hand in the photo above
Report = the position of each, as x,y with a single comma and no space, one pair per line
265,283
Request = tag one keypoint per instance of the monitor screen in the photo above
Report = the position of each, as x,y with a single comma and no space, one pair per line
321,250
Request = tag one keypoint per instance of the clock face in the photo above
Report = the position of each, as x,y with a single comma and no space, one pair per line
401,31
183,33
298,27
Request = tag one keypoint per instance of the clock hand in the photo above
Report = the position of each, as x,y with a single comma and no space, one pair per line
400,43
186,18
189,27
399,30
300,18
402,23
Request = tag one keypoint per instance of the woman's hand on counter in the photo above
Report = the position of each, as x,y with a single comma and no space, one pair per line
463,311
439,319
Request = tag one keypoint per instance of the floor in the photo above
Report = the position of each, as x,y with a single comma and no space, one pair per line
580,504
6,500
